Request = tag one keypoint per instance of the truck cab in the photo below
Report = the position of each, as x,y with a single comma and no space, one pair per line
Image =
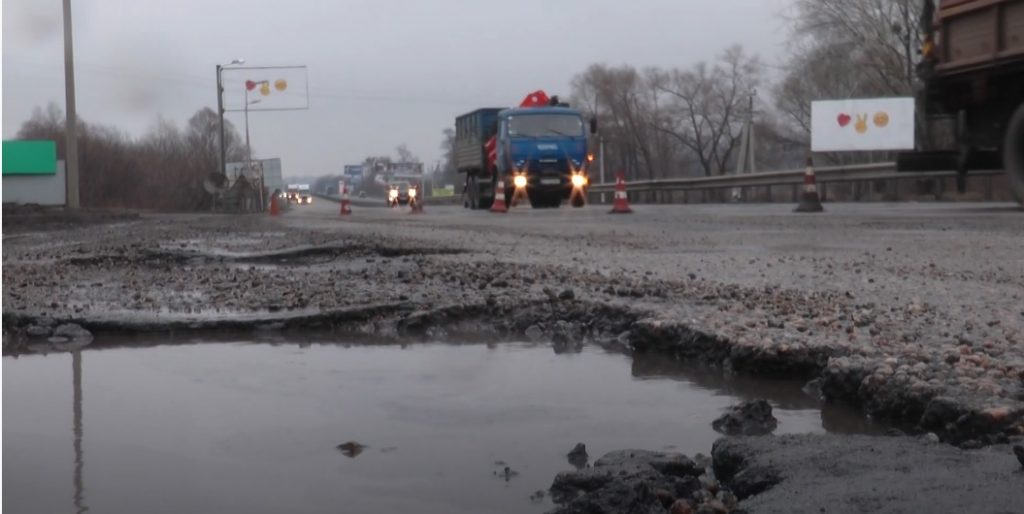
546,145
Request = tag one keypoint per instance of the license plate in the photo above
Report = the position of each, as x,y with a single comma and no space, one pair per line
550,181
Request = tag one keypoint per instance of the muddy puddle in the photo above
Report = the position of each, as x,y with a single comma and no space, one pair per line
254,428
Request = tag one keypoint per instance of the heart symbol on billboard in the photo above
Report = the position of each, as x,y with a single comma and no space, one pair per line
843,119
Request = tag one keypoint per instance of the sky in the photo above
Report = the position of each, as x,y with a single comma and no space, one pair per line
379,73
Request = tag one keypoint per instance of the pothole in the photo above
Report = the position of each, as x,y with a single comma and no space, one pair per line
295,256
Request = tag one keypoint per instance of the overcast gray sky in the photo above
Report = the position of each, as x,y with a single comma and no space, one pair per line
381,72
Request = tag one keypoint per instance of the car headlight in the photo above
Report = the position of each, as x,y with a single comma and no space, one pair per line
519,181
412,193
393,194
579,180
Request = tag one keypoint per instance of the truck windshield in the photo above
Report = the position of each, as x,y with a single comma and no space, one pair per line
545,125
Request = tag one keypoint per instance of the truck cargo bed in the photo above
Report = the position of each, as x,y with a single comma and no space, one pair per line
979,34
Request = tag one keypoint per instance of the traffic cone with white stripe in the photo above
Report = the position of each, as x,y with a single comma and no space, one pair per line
346,203
499,198
620,205
415,202
809,201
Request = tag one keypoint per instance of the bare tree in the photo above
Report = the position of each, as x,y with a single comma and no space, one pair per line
162,169
405,154
710,105
615,97
843,49
448,173
880,38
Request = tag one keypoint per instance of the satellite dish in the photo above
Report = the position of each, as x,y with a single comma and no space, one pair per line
215,183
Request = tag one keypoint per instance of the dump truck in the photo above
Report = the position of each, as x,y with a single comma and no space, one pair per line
972,65
540,146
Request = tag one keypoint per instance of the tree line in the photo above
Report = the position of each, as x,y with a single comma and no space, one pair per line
163,169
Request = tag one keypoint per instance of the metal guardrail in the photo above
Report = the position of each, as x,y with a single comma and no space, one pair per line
824,174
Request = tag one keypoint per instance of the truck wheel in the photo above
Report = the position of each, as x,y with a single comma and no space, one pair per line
1013,153
473,192
578,200
485,202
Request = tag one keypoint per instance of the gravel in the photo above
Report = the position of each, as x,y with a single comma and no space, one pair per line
912,312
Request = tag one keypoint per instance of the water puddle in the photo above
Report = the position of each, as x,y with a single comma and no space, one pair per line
286,427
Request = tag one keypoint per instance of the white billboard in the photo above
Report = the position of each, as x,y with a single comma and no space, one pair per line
862,124
265,88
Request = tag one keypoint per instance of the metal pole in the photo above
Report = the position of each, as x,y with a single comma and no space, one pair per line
750,136
601,149
220,115
248,149
71,129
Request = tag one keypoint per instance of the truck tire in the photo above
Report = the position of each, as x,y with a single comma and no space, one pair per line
1013,153
473,192
578,200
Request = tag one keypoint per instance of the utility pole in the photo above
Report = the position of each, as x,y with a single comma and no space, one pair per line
71,122
601,149
220,117
745,163
220,112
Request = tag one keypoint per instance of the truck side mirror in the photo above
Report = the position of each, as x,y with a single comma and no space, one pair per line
593,125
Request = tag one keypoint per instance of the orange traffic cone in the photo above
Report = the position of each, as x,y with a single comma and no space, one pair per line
809,201
346,203
499,198
275,210
414,201
621,203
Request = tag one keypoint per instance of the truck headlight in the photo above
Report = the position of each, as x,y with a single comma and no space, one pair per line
519,181
579,180
412,193
393,194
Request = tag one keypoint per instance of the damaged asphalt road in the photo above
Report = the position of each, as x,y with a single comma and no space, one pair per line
913,312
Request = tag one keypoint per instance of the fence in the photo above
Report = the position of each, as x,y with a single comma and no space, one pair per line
864,182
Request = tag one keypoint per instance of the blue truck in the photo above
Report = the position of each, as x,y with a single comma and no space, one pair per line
540,145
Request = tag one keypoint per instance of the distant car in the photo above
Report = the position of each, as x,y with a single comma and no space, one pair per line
300,194
398,193
362,194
